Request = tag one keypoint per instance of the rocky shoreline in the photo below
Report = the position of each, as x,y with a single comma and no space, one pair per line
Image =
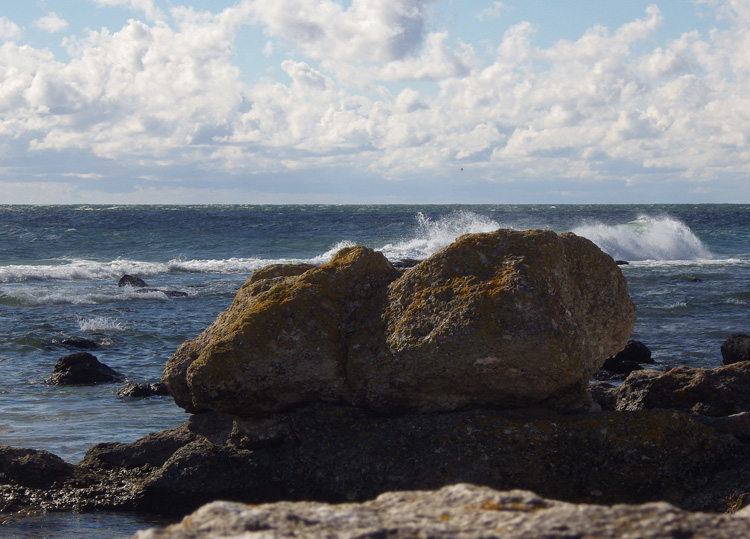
465,377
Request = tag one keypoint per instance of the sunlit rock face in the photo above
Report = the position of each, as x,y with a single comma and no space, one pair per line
503,319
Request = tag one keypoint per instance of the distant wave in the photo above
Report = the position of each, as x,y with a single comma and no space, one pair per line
431,235
79,270
647,238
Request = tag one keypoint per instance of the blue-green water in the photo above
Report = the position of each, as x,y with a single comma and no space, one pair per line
689,275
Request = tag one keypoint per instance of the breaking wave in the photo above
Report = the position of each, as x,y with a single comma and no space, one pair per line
647,238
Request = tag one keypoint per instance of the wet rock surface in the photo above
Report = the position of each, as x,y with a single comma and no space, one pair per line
82,368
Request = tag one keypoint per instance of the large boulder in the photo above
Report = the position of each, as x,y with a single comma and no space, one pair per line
461,510
506,319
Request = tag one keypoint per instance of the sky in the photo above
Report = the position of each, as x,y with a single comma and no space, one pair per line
374,101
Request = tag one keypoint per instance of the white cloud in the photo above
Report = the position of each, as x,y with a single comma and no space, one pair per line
147,7
369,40
604,107
9,31
492,12
51,23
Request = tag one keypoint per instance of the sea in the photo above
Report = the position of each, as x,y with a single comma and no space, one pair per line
688,273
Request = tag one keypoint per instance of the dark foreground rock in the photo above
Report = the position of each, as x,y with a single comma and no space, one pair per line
461,510
710,392
82,368
331,453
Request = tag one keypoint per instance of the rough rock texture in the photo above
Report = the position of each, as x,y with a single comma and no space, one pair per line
334,453
461,510
32,468
506,319
735,349
82,368
711,392
141,390
281,343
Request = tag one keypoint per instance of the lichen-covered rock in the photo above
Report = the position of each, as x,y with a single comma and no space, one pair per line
461,510
505,319
281,343
712,392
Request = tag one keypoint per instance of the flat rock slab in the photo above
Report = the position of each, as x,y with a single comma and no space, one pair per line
461,510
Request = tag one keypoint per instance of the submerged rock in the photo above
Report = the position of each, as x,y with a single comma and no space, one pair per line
461,510
506,319
129,280
82,368
143,288
79,342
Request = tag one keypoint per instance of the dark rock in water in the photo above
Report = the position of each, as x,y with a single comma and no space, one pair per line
712,392
635,351
622,262
129,280
627,360
32,468
735,349
462,510
82,368
620,366
79,342
139,390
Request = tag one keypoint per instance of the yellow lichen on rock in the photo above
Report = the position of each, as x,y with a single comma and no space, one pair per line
506,318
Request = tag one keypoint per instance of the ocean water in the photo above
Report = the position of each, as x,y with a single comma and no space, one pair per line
688,274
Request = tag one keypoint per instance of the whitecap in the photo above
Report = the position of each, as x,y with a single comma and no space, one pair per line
431,235
101,324
647,238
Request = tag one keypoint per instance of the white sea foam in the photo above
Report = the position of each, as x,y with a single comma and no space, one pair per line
79,270
647,238
101,324
431,235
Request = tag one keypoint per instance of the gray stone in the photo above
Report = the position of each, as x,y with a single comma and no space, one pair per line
461,510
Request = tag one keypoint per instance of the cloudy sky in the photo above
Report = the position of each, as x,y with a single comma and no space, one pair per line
379,101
